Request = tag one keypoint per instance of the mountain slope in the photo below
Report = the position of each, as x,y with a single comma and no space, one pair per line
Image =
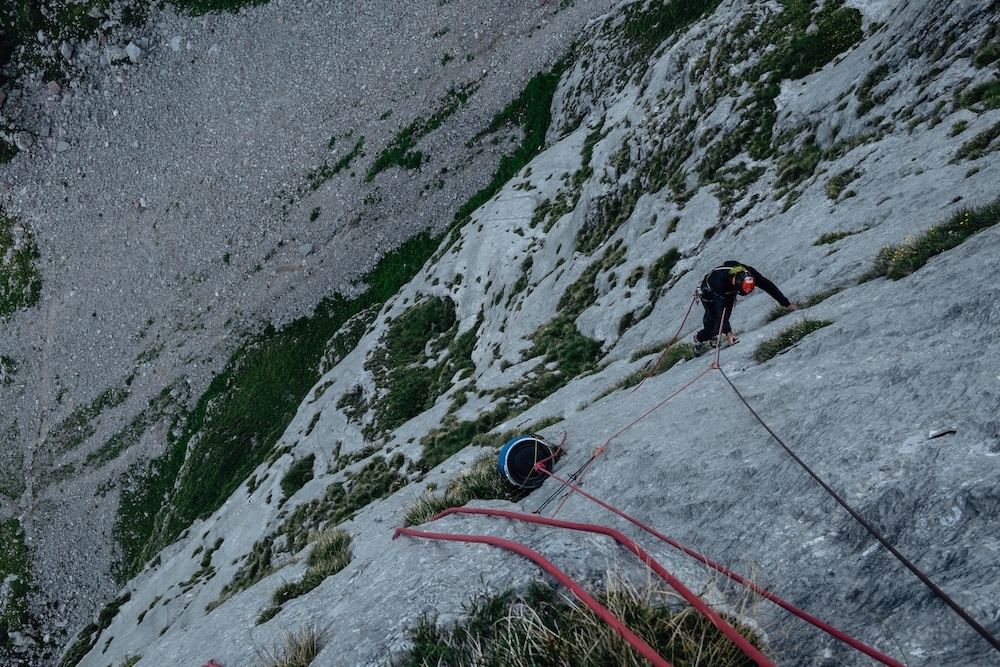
802,142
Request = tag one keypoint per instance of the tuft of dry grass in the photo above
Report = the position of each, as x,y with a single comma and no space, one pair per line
481,482
296,649
545,627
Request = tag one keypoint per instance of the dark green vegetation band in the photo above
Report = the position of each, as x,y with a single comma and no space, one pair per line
235,424
237,421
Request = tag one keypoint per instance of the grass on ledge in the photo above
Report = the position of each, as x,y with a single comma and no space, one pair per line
809,301
899,261
772,347
481,482
543,627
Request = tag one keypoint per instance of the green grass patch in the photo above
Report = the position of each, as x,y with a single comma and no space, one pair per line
771,347
781,311
325,172
541,627
838,28
832,237
867,99
660,271
988,50
7,150
582,294
295,649
15,573
401,150
836,183
330,554
20,23
12,482
983,96
415,363
8,369
531,113
796,166
899,261
20,284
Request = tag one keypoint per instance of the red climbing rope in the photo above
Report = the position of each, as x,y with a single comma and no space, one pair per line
825,627
692,599
673,340
602,612
576,478
600,450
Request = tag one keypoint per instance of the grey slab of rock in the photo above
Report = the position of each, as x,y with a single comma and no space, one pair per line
133,52
24,140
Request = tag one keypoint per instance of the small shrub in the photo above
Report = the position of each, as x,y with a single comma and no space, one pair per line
985,95
331,551
866,98
796,166
988,51
837,183
582,294
773,346
8,369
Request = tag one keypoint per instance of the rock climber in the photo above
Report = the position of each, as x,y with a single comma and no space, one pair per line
718,295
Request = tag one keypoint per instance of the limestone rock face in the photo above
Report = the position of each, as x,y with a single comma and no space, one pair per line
220,175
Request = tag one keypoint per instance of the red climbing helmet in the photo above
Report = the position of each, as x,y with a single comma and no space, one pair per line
744,282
